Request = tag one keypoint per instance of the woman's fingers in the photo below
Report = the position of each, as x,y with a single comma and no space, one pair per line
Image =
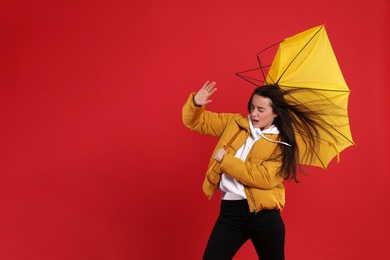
205,84
208,85
202,97
219,154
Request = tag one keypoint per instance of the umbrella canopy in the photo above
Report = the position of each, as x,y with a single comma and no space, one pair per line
306,66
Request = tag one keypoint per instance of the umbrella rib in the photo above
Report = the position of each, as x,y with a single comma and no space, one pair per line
262,67
323,120
318,158
318,89
299,53
248,79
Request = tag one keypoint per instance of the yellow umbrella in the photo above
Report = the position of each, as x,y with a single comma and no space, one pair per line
306,63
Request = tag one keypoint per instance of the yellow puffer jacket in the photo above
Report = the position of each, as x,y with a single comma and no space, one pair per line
258,174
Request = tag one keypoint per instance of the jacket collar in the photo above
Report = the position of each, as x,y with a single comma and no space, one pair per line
244,123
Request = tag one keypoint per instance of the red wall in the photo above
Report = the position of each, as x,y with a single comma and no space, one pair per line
96,164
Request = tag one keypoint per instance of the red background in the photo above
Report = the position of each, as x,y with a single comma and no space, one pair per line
95,161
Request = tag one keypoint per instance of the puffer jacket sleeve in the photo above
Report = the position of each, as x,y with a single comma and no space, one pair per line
196,118
258,173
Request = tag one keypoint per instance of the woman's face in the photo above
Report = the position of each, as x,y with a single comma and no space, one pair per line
261,112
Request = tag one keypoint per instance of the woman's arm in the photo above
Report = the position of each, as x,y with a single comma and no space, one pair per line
258,175
258,170
196,118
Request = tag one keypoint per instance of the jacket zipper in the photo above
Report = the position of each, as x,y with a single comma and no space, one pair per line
249,189
253,200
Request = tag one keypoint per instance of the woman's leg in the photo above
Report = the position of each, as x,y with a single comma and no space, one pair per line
267,234
228,233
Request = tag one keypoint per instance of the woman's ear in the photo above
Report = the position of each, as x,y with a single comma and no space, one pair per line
276,117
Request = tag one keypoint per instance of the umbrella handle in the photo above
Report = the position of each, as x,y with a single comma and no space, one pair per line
215,161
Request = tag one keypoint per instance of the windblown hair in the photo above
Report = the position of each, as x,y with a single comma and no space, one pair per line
293,119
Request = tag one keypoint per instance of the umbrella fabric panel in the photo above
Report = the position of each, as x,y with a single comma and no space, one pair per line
307,60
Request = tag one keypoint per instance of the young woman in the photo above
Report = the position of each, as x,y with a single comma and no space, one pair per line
262,153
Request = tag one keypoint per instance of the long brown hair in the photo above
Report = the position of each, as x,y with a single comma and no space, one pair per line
293,118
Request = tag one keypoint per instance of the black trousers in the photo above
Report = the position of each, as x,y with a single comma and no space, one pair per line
236,225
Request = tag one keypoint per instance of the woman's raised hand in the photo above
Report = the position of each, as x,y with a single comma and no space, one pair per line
202,97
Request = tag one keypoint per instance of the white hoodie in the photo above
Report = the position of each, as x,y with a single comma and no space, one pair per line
232,189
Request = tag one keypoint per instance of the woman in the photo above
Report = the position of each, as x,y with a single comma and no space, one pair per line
262,153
